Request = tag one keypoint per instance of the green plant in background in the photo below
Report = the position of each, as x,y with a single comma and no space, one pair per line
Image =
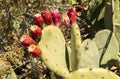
95,15
6,70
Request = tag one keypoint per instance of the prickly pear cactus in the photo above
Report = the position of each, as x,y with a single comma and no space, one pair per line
52,45
6,71
89,56
89,73
75,45
107,46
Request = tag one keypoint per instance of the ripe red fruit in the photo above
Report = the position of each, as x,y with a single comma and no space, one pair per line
47,17
65,20
38,19
26,40
34,50
35,31
72,15
56,17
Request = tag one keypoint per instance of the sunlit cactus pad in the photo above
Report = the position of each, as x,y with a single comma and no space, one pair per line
89,73
52,45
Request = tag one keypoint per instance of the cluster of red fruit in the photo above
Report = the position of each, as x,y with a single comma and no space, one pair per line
48,18
29,42
54,17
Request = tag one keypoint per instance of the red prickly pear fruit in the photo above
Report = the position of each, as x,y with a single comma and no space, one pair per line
72,15
56,17
38,19
47,17
35,31
34,50
26,40
65,20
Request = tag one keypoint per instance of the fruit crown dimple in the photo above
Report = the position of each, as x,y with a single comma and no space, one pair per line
33,27
31,47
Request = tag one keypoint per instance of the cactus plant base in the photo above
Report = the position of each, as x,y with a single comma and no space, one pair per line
89,73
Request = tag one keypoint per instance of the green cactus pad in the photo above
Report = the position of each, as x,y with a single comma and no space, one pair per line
89,73
6,71
117,33
89,56
116,15
107,46
75,45
116,20
52,45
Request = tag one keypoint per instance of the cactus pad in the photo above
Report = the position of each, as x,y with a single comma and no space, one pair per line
117,33
89,73
107,46
52,45
116,15
89,56
75,45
